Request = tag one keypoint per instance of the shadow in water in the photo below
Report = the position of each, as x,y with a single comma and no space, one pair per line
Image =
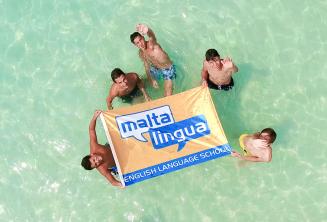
228,104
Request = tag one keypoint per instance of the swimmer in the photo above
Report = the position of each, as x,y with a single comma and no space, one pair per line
257,147
156,61
126,86
217,73
100,156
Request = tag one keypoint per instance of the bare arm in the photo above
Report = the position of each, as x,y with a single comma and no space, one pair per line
92,132
110,97
140,85
151,36
204,75
251,158
145,30
153,82
105,172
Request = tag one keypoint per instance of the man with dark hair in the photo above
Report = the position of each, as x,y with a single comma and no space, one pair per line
126,86
100,156
257,147
157,63
217,73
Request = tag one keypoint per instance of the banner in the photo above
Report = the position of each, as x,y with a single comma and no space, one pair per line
164,135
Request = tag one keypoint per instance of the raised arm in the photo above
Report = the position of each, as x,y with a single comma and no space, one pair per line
145,30
105,172
153,82
231,67
140,85
92,132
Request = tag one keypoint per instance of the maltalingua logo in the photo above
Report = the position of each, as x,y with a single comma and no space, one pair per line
162,128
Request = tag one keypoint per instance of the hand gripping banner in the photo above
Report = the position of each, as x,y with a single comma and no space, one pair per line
164,135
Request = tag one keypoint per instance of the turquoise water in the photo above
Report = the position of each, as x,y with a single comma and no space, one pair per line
55,61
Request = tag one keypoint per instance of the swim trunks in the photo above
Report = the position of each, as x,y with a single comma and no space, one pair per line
114,170
129,97
166,74
226,87
241,140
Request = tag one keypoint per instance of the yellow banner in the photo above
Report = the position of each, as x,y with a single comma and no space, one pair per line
164,135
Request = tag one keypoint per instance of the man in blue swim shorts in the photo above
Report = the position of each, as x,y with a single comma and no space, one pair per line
157,63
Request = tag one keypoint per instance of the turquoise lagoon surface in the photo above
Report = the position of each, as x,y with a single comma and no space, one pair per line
55,64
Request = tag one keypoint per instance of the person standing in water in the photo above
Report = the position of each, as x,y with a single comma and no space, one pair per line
217,73
156,61
100,155
126,86
257,147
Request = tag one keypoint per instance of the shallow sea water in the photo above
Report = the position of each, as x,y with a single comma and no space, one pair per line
55,62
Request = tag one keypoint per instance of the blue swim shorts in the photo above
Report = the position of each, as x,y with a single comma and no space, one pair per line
166,74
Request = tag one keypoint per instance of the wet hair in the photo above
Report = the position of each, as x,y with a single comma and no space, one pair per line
115,73
134,35
211,53
272,134
86,163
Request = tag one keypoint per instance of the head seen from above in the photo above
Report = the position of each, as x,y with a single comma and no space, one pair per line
138,40
92,161
268,134
213,57
119,77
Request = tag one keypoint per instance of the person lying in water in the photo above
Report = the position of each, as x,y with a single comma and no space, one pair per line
156,61
217,73
257,147
126,86
100,156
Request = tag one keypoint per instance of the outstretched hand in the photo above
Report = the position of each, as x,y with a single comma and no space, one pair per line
142,29
228,63
260,143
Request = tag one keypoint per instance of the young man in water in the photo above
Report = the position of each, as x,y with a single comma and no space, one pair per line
157,63
100,156
257,147
217,73
126,86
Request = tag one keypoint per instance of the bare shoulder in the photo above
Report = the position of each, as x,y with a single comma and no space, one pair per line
255,135
205,64
113,92
95,147
132,75
101,148
249,138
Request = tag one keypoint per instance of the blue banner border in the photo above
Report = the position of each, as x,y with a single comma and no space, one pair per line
159,169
